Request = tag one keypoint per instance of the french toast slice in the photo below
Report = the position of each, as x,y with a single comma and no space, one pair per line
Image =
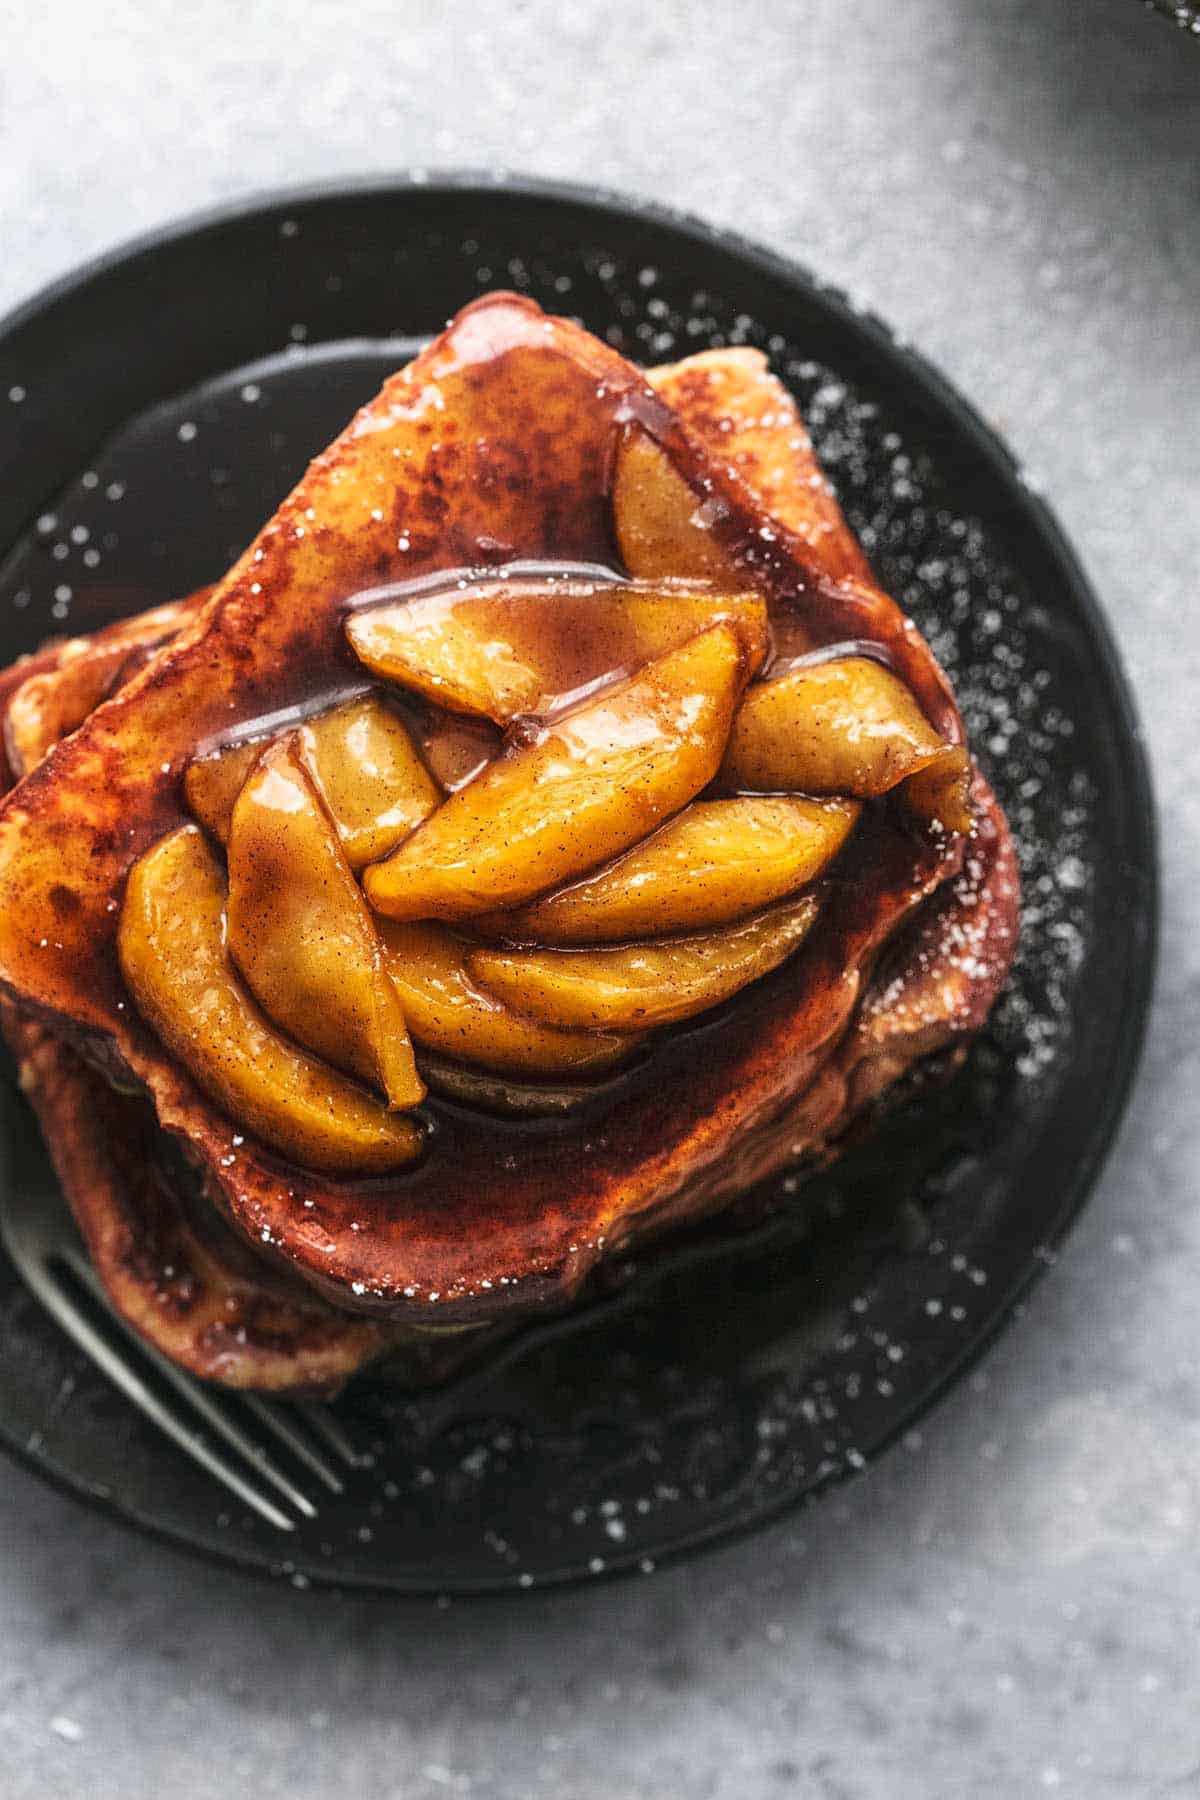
497,444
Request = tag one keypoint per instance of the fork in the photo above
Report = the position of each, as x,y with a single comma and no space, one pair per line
44,1246
43,1243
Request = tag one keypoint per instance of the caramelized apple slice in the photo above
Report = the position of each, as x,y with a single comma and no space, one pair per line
590,783
639,985
941,791
510,646
300,932
717,861
662,527
846,726
374,783
172,948
502,1094
212,784
447,1011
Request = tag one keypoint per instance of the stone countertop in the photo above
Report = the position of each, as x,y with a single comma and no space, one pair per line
1010,1602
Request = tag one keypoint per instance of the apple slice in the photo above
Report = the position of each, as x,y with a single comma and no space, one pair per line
373,781
514,645
300,932
211,784
590,782
716,861
447,1011
548,1099
845,726
172,949
663,528
635,986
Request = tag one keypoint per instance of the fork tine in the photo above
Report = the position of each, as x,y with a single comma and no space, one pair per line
287,1434
331,1430
199,1398
74,1321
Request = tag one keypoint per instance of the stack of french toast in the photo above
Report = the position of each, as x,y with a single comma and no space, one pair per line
546,831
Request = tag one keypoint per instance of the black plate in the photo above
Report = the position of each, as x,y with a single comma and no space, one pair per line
154,409
1181,12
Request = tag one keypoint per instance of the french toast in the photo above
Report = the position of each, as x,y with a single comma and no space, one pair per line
516,439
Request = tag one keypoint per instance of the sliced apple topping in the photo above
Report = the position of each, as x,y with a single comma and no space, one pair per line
173,954
716,861
846,726
447,1011
642,985
589,783
545,1099
941,791
373,781
300,932
505,647
211,784
663,527
532,904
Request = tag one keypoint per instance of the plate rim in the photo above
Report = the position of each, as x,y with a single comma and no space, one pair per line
1031,509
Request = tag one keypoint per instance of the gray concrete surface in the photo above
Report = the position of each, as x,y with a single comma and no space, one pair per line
1010,1604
